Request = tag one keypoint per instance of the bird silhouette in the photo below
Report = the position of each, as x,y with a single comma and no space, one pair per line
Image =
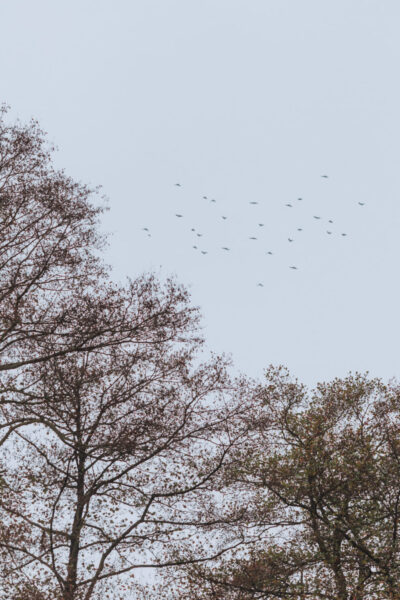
288,204
260,284
145,229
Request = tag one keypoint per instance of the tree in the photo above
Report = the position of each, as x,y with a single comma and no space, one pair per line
48,244
55,297
326,478
117,472
99,408
111,441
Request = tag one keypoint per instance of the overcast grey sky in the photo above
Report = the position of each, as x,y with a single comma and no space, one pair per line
242,101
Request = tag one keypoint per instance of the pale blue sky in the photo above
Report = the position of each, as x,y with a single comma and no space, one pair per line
239,100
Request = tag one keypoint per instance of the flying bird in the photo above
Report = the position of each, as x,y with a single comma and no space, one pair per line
290,240
178,215
330,221
260,284
145,229
212,200
361,203
204,252
299,199
199,234
329,232
252,238
344,234
299,229
270,253
294,268
224,217
253,202
324,176
195,247
316,217
178,185
225,248
205,198
261,224
289,205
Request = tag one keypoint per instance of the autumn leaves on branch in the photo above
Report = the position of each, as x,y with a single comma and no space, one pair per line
121,450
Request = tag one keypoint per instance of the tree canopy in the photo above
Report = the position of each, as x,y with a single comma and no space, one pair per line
122,447
323,481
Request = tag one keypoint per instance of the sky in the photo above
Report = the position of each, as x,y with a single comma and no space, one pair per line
240,101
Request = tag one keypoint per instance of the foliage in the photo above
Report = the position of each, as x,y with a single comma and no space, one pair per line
112,441
121,450
325,486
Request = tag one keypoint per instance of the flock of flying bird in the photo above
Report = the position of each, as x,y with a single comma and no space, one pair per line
224,217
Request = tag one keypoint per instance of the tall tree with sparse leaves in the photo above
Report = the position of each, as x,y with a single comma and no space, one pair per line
112,441
324,487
